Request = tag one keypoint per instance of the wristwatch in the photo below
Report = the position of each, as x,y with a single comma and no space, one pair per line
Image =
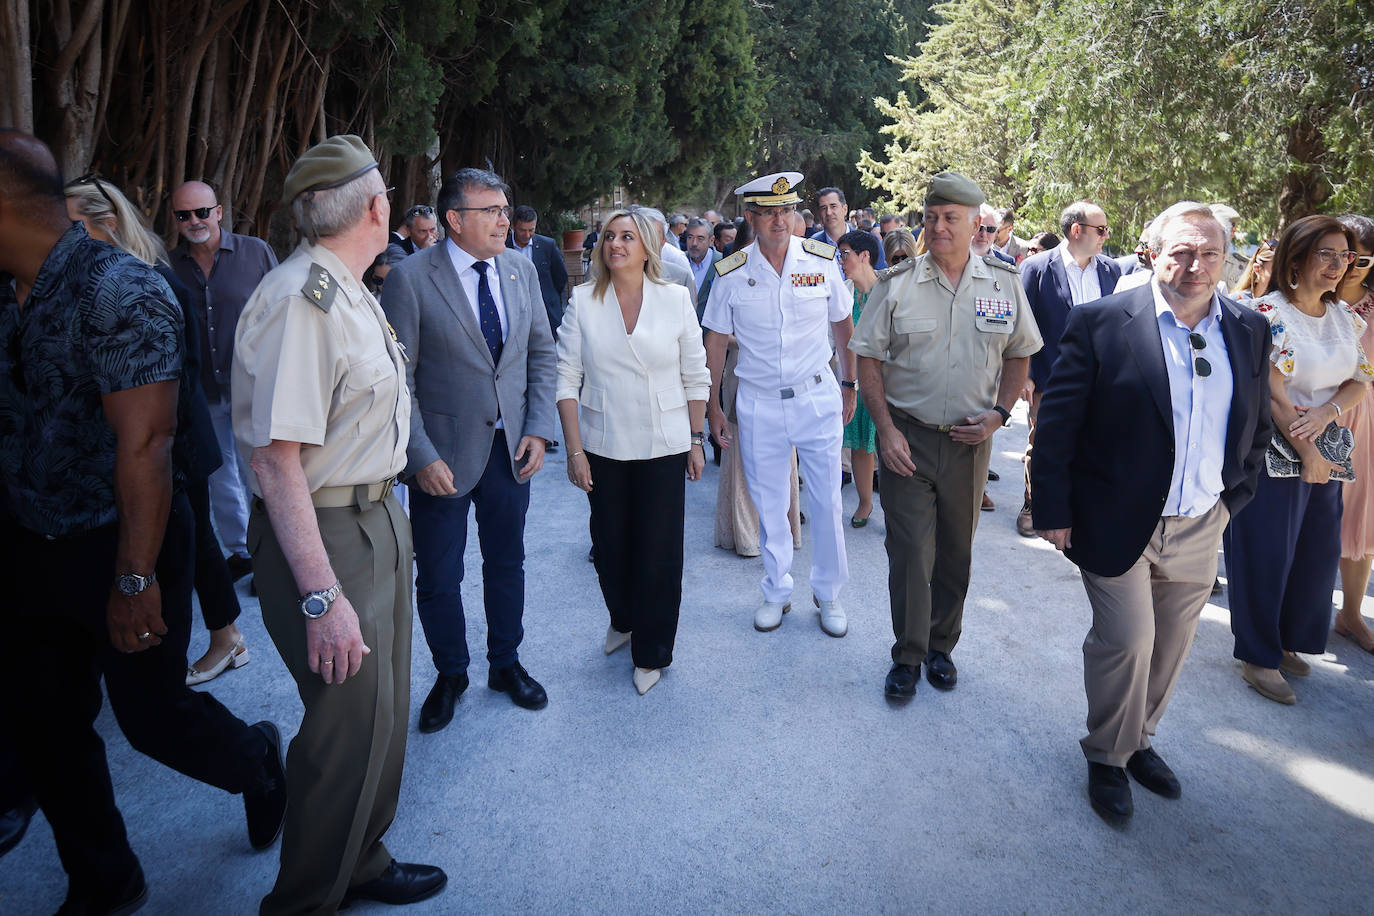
1006,414
131,584
849,383
316,604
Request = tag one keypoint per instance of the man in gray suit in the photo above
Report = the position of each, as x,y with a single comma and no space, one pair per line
481,373
701,257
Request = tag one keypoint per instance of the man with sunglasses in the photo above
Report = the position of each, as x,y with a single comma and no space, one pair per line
985,236
1065,277
220,270
1150,440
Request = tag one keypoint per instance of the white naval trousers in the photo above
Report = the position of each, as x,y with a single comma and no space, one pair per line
770,426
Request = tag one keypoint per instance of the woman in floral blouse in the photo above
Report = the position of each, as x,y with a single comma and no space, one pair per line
1283,547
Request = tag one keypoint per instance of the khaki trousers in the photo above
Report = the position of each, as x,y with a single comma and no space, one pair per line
343,772
931,519
1143,625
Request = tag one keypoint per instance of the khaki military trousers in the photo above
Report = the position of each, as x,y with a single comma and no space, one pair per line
1143,625
931,519
343,772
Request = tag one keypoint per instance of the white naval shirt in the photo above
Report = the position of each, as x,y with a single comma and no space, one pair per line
782,323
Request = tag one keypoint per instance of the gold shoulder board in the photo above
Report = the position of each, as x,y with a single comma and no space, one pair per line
819,248
725,265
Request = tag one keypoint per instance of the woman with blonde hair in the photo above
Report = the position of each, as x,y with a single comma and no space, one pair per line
1253,282
632,389
898,245
109,216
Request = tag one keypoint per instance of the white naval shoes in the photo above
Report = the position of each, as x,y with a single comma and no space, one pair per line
769,615
833,621
615,639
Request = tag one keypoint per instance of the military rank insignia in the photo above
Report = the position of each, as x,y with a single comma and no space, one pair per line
994,314
807,280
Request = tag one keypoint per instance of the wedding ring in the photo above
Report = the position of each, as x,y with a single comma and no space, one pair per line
327,661
144,635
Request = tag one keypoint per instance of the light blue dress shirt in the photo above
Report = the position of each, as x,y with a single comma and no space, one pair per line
1201,408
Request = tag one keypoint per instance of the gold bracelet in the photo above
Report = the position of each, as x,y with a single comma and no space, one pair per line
575,454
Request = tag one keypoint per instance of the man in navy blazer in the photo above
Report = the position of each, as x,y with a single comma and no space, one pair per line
543,253
1152,430
1074,272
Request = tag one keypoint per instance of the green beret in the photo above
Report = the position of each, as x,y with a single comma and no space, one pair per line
328,164
953,188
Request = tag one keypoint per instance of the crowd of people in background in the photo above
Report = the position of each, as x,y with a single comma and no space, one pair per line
180,419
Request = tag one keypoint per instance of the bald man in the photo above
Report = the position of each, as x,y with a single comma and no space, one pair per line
221,269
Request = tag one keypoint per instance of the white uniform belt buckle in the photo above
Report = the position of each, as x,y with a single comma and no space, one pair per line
361,495
786,393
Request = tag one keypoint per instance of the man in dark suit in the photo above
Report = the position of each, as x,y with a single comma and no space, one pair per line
701,257
481,373
543,253
1069,275
1152,432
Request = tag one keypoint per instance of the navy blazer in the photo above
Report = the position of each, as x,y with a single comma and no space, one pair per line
553,275
1104,438
1047,290
195,447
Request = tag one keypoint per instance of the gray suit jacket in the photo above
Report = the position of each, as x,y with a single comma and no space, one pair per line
456,392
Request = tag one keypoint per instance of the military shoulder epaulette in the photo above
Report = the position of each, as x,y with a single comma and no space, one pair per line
993,260
320,288
725,265
819,248
896,269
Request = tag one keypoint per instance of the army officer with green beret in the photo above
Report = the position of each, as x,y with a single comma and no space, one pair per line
322,417
944,346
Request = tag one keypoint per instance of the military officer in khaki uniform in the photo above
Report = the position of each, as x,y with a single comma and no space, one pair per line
322,417
943,346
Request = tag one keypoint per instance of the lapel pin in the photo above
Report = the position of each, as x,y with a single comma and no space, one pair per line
751,281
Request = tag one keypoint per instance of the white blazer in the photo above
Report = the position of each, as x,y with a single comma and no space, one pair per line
633,388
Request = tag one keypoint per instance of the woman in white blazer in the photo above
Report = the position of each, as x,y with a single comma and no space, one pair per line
630,356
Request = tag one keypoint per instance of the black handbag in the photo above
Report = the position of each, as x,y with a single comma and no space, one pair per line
1336,444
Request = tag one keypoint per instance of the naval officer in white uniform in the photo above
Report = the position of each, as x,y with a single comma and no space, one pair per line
780,297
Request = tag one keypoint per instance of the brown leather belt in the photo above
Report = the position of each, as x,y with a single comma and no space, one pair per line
364,494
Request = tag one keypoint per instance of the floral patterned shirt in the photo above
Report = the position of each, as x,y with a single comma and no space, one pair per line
96,321
1314,354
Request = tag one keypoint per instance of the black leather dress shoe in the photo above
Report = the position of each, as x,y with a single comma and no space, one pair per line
119,902
1109,791
14,822
993,475
400,884
265,802
1150,770
437,709
515,680
940,671
901,682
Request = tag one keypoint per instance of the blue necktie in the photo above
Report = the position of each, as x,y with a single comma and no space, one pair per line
486,312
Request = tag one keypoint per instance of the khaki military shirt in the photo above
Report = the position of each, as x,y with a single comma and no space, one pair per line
315,363
942,350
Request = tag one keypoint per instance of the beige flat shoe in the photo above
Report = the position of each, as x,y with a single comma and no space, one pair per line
1269,683
1293,664
1362,637
236,657
645,678
615,639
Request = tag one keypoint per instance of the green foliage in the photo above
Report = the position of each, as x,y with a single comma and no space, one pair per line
1266,105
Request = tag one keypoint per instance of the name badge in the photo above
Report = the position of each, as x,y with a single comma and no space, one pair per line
995,316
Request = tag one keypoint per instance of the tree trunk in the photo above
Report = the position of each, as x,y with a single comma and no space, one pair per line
16,66
1305,188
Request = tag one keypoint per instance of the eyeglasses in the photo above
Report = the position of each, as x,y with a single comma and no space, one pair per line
1033,249
897,258
1103,231
1199,343
845,252
1363,261
990,230
1333,258
200,212
419,210
94,179
505,211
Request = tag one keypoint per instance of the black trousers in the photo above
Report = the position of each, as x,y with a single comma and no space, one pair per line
637,520
55,622
219,605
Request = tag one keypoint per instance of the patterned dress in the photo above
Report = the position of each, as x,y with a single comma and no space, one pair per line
860,432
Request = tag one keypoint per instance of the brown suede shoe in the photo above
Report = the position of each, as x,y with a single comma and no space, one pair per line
1269,682
1293,664
1024,526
